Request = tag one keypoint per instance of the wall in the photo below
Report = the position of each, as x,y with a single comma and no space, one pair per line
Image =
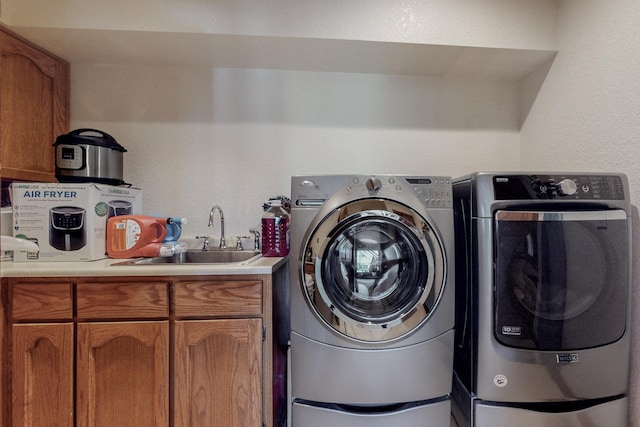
587,117
198,136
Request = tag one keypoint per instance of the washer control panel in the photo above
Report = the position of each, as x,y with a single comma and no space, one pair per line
314,191
434,191
573,187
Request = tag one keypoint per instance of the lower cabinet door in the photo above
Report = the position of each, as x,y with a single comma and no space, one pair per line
123,374
42,383
218,373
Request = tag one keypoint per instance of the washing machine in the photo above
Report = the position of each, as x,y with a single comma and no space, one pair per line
542,299
372,300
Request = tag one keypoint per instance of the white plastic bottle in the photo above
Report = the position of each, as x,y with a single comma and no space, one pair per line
275,230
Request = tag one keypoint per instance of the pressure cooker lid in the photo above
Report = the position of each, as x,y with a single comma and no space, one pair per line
89,137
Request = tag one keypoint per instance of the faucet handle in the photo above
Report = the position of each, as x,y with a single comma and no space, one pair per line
239,246
256,239
205,243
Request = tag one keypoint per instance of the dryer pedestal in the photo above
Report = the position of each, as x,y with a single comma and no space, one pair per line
611,414
469,411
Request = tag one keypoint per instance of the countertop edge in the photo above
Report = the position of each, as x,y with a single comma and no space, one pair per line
105,268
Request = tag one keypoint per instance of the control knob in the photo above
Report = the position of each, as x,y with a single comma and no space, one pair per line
373,185
567,187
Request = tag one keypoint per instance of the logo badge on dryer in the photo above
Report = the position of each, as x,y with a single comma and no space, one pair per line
512,330
567,358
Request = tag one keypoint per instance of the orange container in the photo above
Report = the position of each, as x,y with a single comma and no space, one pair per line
130,236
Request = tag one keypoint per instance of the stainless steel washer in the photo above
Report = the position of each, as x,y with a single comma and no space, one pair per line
372,300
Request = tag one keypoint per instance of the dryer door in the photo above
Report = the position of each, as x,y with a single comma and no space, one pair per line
561,278
374,270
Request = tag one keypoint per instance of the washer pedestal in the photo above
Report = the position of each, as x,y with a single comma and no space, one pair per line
330,374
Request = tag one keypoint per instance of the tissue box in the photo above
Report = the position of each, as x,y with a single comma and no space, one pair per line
68,221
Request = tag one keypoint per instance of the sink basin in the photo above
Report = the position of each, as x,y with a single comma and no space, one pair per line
196,256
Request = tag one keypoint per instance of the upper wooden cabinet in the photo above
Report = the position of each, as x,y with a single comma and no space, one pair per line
34,108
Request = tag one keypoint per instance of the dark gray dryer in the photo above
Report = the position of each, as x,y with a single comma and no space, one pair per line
542,304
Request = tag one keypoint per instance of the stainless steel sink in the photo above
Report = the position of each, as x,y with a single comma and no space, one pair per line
196,256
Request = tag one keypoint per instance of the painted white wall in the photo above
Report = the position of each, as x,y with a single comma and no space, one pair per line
198,136
587,114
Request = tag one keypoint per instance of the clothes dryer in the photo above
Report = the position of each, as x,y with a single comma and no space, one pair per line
372,300
542,304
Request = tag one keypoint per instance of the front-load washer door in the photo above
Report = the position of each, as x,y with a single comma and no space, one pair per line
373,270
561,278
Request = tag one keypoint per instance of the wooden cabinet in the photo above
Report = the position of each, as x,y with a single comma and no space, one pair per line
218,373
138,351
43,385
122,367
34,108
219,362
42,353
122,374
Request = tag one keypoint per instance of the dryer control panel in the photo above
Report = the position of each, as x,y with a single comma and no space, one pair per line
572,187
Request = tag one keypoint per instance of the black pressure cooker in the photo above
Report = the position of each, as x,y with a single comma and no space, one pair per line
89,155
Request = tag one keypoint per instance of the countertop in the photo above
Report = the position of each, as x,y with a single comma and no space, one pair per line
106,267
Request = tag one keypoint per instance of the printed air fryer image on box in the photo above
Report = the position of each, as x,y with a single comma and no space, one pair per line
68,221
66,228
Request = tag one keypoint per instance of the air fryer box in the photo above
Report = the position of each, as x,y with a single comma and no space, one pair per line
68,221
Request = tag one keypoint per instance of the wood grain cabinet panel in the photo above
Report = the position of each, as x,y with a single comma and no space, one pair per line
42,389
42,301
123,374
122,300
218,298
34,108
218,373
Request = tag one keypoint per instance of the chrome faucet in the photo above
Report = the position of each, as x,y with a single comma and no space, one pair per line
223,244
256,239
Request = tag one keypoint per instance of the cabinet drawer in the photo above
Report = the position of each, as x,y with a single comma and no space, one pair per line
218,298
50,301
122,300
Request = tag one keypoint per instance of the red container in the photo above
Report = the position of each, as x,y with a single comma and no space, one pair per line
275,230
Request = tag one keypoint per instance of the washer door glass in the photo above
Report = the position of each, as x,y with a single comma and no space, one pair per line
561,278
376,273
